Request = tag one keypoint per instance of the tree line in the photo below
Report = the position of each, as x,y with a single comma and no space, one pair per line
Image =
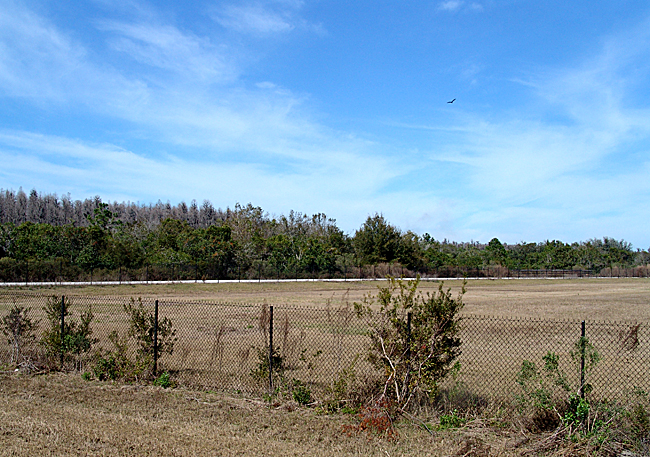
94,235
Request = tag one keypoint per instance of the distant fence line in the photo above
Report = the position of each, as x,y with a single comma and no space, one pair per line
225,346
12,271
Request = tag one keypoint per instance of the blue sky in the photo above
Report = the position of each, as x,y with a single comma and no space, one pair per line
340,107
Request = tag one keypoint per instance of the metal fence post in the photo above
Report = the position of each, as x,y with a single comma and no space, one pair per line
62,328
271,349
155,338
582,361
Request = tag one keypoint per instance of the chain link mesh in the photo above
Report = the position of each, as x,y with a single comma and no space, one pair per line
225,346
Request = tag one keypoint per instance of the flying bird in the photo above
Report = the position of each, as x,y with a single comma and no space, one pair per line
452,101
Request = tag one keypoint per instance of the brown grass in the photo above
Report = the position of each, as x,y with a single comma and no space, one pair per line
217,345
64,415
591,299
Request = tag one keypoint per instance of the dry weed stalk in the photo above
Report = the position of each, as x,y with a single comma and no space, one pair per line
217,347
263,323
630,338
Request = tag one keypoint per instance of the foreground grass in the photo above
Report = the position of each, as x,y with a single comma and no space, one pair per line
60,414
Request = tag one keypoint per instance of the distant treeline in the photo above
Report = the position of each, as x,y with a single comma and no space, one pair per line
94,235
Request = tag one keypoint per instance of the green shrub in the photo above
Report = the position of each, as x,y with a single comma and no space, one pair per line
338,393
261,372
76,339
301,392
549,393
414,358
451,420
141,328
163,380
18,327
116,364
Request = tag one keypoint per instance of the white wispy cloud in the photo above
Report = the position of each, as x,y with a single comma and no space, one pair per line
167,48
254,18
264,18
32,50
117,173
458,5
41,62
450,5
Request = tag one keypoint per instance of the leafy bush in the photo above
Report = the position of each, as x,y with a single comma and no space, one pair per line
301,392
163,380
415,357
338,393
142,330
19,328
451,420
116,364
76,339
550,394
261,372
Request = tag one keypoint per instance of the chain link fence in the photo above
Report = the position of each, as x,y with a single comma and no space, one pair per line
250,348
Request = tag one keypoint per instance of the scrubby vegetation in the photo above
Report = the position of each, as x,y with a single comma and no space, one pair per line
77,237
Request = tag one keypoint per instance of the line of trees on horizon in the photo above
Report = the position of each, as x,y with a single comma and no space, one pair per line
92,235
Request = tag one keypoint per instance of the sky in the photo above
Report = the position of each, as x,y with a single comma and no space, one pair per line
339,107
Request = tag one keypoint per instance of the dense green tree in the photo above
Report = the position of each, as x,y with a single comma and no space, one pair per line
91,234
376,241
495,253
410,252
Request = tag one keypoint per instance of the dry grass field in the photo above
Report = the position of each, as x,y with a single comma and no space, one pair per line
61,415
590,299
217,344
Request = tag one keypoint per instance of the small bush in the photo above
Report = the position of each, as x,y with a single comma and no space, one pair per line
550,395
261,372
142,330
19,328
116,364
76,339
163,380
414,358
451,420
301,392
